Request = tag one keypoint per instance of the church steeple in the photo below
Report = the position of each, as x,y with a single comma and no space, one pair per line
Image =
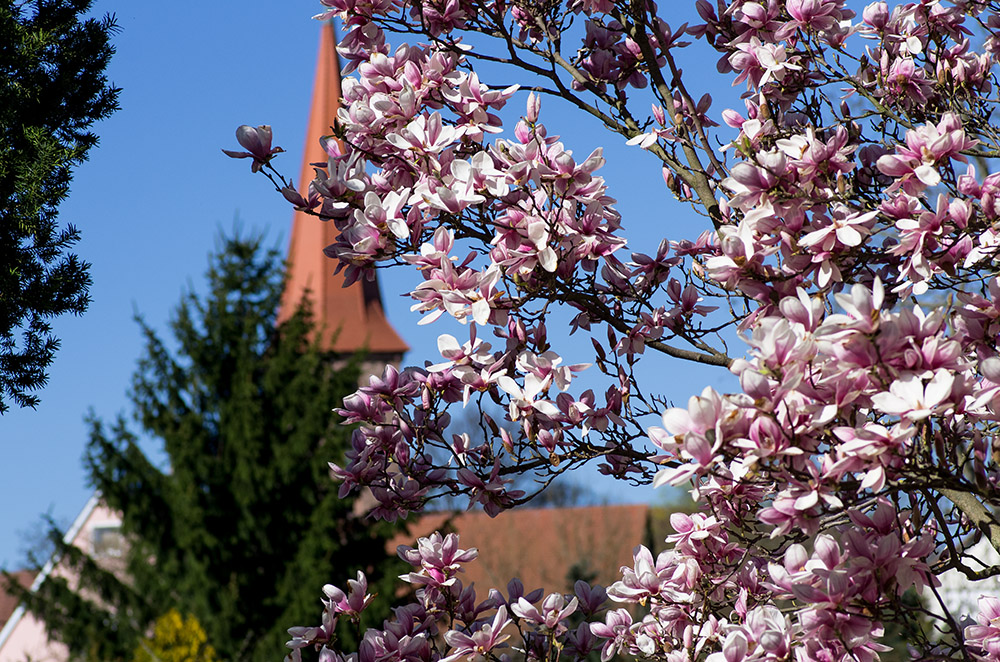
352,317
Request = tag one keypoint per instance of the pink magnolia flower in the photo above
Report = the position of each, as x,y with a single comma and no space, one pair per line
425,135
591,598
257,142
491,492
985,637
926,147
647,578
876,15
734,648
910,398
437,558
617,629
354,601
844,229
872,449
861,308
462,360
481,642
819,15
553,611
759,63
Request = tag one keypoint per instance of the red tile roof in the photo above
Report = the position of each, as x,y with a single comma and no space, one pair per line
8,603
541,546
352,317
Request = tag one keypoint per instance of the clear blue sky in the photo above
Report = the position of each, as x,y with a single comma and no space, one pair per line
157,190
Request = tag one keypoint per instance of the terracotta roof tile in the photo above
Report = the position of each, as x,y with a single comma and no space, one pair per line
8,603
542,546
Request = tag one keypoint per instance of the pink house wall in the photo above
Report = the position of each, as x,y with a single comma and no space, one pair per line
23,636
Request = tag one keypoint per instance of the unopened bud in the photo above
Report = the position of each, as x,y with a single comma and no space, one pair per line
659,115
295,197
534,106
506,441
522,132
876,15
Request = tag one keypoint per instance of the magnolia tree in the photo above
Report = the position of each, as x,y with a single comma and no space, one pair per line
851,235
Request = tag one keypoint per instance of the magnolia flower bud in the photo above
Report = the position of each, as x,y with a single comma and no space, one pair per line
534,105
876,15
257,142
668,178
732,118
522,132
658,114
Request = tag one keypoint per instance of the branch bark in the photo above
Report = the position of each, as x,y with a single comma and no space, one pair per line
972,508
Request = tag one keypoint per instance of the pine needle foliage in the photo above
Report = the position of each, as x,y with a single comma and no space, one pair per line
52,90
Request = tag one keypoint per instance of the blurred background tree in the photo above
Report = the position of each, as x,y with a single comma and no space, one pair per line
52,90
239,522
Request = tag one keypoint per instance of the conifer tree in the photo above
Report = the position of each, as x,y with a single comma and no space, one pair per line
240,523
52,89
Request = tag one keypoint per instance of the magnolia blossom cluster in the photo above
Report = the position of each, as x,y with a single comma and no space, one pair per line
447,621
851,236
702,595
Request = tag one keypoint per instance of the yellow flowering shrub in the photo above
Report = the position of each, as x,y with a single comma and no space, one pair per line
176,639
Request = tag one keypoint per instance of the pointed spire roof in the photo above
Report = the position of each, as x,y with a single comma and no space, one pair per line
352,317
